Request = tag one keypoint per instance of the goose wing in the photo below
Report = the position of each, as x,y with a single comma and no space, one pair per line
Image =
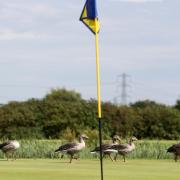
8,146
3,145
104,147
119,147
66,147
177,145
174,148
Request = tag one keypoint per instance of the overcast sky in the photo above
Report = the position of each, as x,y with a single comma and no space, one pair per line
43,45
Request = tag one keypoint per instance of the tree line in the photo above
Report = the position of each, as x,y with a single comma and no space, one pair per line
65,114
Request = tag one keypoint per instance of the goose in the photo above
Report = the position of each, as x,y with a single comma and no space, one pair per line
9,147
106,148
175,149
73,147
124,149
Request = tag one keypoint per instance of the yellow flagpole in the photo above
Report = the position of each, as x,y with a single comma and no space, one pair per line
99,97
98,72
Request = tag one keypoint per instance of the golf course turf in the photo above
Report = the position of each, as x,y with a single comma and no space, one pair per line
46,169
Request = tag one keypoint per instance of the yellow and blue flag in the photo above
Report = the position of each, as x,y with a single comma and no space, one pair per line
89,16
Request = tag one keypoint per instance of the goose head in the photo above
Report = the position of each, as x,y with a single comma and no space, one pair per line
84,137
133,138
116,138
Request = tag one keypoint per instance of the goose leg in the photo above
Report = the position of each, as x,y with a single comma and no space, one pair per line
14,155
175,157
76,157
7,156
103,155
115,157
71,159
124,158
110,157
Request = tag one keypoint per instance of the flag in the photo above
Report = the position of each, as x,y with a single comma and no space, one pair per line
89,16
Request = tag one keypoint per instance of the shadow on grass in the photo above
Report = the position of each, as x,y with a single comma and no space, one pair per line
65,162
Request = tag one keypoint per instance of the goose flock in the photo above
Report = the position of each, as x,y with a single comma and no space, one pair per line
121,149
107,148
124,149
73,148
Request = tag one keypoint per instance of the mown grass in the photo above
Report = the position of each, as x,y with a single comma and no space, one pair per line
41,169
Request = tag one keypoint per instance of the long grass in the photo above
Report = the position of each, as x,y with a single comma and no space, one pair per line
45,149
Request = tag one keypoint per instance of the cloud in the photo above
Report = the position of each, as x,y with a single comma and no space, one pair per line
9,34
44,10
27,10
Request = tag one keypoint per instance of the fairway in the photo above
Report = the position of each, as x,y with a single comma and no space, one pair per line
89,169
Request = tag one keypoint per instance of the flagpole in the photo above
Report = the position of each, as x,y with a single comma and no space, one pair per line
99,96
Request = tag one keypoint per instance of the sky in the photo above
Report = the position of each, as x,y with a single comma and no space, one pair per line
43,45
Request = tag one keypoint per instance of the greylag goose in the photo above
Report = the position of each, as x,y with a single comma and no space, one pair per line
106,148
73,147
9,148
175,149
124,149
